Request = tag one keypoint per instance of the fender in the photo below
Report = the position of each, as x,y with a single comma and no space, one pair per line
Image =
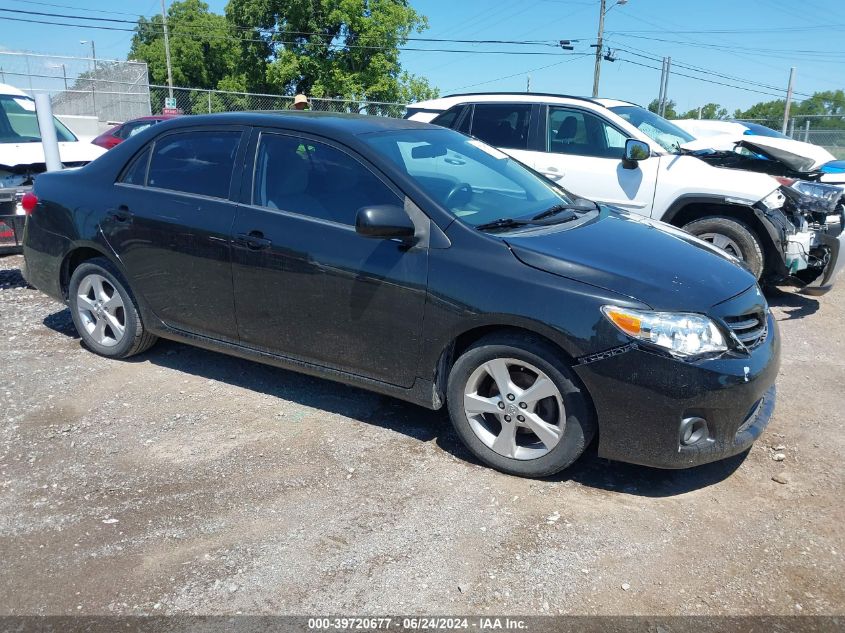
772,222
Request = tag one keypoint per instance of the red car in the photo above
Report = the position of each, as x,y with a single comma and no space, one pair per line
120,133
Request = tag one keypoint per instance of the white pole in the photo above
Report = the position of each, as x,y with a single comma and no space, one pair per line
788,99
167,52
44,112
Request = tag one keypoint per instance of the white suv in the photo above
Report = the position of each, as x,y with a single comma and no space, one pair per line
623,155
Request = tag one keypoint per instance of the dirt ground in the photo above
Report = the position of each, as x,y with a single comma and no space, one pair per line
185,481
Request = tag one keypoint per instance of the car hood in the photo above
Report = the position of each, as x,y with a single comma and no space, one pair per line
22,154
796,155
649,261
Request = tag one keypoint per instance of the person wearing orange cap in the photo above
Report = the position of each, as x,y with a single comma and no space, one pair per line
300,102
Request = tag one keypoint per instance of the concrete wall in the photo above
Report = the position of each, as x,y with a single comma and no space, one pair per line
86,127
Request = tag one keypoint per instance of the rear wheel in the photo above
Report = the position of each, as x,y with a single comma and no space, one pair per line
733,237
104,311
517,407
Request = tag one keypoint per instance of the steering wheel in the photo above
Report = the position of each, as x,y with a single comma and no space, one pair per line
464,188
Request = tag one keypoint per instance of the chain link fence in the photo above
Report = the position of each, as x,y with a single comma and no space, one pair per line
109,90
115,91
198,101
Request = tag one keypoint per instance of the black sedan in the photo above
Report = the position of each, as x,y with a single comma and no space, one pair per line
419,263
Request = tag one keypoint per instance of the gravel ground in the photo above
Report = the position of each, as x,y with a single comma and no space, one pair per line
185,481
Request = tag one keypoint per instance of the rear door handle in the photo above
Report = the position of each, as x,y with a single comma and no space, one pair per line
254,240
121,214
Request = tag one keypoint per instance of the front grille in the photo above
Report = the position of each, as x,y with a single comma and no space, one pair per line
750,329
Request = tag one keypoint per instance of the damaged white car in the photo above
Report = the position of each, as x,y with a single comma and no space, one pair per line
623,155
22,158
812,179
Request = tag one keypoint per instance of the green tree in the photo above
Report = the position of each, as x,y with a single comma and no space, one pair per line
332,48
670,112
202,50
708,111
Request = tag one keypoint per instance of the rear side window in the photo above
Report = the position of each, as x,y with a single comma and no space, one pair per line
314,179
136,172
448,118
502,125
198,162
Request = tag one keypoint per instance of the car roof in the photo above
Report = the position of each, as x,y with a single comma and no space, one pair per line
329,123
154,117
6,89
446,102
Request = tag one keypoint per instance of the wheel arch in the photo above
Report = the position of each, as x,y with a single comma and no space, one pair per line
686,210
78,255
467,337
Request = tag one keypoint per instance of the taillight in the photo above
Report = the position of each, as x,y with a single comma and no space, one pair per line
28,202
786,182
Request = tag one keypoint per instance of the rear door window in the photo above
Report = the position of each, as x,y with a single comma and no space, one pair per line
314,179
448,118
502,125
136,172
198,162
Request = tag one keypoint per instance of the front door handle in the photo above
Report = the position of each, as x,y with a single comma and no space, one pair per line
121,214
254,240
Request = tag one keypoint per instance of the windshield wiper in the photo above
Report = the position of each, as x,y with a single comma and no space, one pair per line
502,223
560,208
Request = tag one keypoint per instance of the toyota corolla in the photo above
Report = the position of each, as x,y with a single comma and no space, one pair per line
416,262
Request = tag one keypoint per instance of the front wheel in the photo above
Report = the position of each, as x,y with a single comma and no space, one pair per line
104,311
517,407
731,236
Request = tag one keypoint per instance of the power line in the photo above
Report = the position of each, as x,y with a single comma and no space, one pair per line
706,71
522,73
177,33
771,52
549,43
710,81
68,6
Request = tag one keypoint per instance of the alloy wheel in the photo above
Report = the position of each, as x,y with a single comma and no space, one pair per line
723,242
101,310
514,408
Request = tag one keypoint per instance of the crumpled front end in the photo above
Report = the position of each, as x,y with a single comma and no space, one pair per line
808,218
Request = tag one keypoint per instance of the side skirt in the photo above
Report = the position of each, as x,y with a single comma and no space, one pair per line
422,392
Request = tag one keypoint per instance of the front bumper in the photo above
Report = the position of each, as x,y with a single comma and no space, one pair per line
836,263
641,397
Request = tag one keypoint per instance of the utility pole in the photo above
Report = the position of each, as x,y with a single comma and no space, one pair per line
599,49
788,99
662,79
528,83
167,52
666,86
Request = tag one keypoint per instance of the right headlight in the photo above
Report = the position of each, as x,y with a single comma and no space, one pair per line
680,333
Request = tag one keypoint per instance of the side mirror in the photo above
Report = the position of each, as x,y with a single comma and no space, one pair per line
635,151
386,221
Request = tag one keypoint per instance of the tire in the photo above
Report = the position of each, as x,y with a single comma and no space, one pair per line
100,303
525,358
733,237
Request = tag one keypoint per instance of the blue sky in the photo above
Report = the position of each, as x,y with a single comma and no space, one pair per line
748,42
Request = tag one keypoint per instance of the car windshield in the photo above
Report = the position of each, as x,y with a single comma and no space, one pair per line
473,181
19,124
756,129
668,135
